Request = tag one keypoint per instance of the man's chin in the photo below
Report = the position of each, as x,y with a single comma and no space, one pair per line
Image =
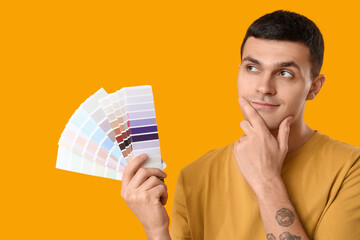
271,122
272,125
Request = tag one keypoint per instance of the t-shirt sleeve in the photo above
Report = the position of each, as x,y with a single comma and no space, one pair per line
179,226
342,218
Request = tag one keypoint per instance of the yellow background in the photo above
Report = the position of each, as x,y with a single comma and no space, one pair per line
55,54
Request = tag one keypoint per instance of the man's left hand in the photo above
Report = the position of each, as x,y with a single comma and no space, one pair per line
259,154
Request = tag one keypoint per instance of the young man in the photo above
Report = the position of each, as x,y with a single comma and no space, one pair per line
281,180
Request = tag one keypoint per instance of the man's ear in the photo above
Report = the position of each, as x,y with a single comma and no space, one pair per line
316,85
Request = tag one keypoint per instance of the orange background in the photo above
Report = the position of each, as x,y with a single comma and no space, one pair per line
55,54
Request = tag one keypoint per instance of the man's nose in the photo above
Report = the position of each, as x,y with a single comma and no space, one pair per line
266,85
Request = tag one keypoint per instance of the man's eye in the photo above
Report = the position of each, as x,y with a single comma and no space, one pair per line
252,68
286,74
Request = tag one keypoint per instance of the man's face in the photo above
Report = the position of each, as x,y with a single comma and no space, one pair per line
274,76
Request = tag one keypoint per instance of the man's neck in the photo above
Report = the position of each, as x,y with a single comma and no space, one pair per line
300,133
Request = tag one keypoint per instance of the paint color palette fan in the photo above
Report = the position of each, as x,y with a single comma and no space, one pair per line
109,130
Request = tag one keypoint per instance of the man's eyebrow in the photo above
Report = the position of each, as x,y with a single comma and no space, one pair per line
288,64
251,59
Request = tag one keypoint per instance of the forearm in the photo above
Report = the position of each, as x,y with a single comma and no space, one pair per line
278,213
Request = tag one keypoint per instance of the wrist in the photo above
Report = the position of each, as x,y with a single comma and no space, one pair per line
269,188
160,234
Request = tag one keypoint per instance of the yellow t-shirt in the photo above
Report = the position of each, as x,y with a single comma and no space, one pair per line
213,200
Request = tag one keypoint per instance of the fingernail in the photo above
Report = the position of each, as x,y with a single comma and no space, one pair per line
143,156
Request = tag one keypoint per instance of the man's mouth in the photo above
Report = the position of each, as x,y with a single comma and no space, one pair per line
263,105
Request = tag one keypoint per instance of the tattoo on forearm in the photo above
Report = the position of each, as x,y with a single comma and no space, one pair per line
284,217
288,236
270,237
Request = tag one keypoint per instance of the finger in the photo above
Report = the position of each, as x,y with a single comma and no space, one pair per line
164,198
283,134
242,138
150,183
132,168
252,115
143,174
160,192
246,127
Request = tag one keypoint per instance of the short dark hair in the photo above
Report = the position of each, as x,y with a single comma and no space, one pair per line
290,26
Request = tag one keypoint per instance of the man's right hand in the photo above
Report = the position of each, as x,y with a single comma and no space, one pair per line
146,196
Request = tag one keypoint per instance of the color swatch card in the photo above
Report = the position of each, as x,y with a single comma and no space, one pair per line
109,130
140,127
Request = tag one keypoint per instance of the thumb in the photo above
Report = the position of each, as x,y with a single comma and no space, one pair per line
283,134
